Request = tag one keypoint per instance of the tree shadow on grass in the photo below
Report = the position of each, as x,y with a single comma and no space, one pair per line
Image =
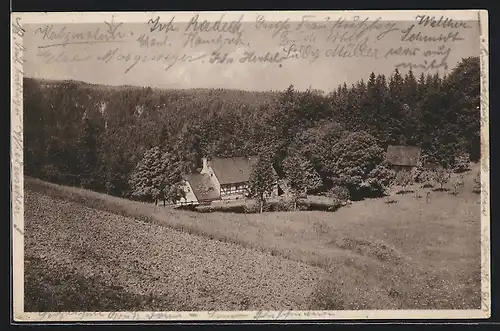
441,189
402,192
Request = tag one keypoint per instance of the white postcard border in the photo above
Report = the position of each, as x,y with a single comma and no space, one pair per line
17,208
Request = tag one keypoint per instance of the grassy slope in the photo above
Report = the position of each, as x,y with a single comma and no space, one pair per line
406,255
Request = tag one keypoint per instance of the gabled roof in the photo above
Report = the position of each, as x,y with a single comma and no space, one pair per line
233,170
202,186
403,155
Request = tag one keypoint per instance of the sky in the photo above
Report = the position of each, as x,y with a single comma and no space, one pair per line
132,54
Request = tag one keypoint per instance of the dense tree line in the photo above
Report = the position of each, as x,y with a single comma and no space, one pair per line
101,137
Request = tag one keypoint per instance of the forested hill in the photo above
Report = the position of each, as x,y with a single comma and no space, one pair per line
94,136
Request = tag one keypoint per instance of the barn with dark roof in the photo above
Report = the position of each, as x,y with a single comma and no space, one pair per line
403,157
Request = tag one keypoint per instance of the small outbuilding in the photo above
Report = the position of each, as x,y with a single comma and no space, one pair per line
403,157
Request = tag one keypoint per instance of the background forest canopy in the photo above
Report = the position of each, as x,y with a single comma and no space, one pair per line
95,136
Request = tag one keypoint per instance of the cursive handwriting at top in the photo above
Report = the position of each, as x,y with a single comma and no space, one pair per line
156,25
309,38
195,39
426,65
64,37
402,51
147,41
233,27
410,35
359,49
60,56
443,22
167,59
277,27
356,27
302,52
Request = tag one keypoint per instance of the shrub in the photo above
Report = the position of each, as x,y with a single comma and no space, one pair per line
339,194
285,203
458,183
441,176
403,179
426,177
462,163
380,179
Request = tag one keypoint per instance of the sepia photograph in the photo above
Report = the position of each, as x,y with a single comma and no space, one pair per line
250,165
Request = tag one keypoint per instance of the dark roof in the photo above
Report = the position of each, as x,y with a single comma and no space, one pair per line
202,186
233,170
403,155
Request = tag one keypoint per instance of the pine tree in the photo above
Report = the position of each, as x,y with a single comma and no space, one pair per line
396,111
88,156
172,189
148,179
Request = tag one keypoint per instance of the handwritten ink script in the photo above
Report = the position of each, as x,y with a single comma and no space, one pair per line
163,316
426,43
18,61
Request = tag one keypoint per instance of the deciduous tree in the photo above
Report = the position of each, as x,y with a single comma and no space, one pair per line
300,175
262,180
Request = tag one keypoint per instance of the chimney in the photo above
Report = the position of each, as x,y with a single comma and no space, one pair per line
205,163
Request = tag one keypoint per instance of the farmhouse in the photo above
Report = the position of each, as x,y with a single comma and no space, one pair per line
220,179
403,157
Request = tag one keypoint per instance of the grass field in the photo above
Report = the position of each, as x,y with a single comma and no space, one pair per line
372,255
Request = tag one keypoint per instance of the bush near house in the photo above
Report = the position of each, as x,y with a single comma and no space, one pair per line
441,176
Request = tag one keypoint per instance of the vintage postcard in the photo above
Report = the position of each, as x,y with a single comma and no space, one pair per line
275,166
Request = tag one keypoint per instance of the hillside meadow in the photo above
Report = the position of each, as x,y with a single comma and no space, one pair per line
90,251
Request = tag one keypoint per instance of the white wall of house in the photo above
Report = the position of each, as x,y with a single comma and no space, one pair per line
239,191
274,192
230,191
233,191
190,197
